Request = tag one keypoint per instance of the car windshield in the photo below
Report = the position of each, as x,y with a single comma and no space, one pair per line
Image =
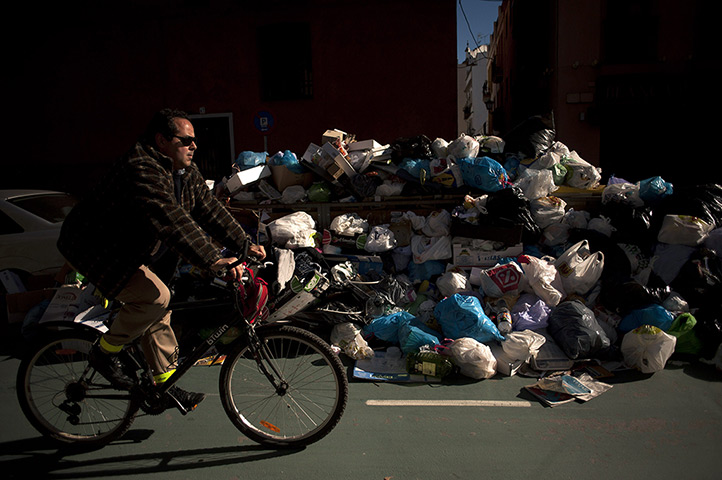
51,207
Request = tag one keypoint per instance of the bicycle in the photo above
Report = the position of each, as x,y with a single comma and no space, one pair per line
280,385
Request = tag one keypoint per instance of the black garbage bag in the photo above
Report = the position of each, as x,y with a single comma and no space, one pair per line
418,147
508,207
700,284
533,137
622,298
701,201
365,184
632,224
576,330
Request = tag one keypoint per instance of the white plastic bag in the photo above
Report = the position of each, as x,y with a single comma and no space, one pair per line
602,225
501,280
440,147
474,359
626,193
380,239
536,183
580,269
544,280
552,156
349,224
453,282
293,230
580,173
437,224
576,218
491,144
556,234
463,147
647,348
683,230
547,210
293,194
348,338
425,248
523,345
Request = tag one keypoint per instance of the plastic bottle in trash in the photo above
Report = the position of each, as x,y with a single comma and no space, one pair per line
503,321
427,362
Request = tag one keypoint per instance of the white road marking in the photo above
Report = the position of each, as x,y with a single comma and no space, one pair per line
447,403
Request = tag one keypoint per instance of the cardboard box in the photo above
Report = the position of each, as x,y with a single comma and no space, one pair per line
466,255
247,176
283,178
363,145
334,136
321,164
335,155
505,365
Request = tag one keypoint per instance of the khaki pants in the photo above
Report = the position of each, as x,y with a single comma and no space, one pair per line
144,314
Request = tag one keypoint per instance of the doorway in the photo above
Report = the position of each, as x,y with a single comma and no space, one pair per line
216,150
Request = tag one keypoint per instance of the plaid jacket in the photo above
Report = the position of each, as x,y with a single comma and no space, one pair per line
111,233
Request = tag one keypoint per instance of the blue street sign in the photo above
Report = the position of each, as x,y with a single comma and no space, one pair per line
263,121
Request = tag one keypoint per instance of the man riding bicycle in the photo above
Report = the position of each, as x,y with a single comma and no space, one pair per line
151,208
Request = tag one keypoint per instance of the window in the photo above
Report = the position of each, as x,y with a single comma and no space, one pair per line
285,61
53,208
631,31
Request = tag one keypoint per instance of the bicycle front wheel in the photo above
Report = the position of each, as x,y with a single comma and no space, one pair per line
293,395
66,400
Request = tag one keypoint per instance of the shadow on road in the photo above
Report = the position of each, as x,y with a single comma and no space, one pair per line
39,456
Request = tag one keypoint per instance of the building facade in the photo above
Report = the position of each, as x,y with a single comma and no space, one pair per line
270,75
622,79
473,113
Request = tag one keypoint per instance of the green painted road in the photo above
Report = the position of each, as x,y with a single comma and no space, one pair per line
664,426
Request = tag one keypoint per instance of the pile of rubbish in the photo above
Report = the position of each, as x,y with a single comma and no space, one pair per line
510,280
344,169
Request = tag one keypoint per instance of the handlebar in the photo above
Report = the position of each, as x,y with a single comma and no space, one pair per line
242,259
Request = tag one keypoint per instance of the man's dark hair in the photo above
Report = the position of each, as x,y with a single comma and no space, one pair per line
162,122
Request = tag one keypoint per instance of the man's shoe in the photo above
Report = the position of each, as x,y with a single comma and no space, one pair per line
184,401
110,367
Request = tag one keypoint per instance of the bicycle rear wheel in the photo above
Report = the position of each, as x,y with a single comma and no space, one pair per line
309,395
65,399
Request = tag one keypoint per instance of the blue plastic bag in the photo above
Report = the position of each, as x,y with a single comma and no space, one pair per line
420,169
655,315
287,159
483,173
413,336
462,316
654,189
387,327
426,270
246,159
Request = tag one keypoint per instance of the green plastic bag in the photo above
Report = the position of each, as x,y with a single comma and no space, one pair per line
559,173
683,328
319,192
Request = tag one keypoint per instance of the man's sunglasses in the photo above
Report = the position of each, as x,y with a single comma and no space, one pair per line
185,141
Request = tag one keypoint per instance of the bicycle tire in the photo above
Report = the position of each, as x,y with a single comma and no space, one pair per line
52,373
310,407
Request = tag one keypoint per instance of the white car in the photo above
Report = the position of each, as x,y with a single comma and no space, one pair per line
30,222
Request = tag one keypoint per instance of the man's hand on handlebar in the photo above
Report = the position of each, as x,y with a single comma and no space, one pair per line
230,267
257,251
223,267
